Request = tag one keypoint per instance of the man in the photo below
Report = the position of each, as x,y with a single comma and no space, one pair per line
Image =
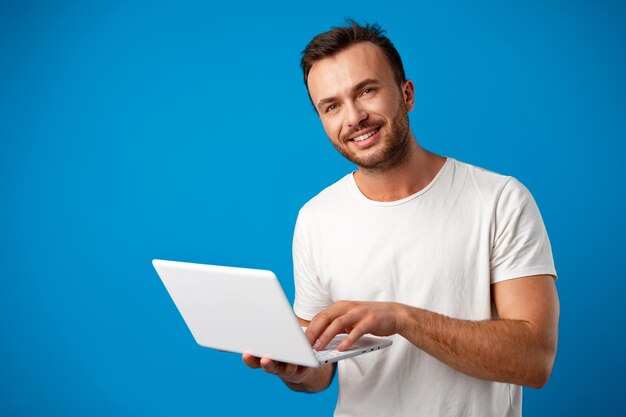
451,261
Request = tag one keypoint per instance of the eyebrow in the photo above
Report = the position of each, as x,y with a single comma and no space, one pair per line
357,87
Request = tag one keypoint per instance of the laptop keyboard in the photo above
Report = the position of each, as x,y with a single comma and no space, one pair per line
331,351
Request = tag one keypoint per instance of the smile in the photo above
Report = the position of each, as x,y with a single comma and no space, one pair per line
365,135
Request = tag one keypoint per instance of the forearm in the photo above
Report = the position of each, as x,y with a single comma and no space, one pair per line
498,350
315,379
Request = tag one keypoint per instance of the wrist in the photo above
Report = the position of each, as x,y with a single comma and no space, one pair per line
311,379
403,316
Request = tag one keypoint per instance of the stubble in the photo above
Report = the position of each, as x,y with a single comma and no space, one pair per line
395,145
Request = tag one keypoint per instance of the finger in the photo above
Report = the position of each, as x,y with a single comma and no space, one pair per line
290,369
348,320
323,319
271,366
251,361
317,326
290,373
352,338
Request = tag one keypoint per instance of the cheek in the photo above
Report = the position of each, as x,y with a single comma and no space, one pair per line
332,129
384,107
386,104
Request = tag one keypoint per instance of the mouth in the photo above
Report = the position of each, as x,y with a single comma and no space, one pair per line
365,139
363,136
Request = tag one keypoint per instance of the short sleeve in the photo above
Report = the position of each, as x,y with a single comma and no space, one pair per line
521,246
311,296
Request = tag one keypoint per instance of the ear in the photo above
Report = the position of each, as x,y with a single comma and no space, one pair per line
408,93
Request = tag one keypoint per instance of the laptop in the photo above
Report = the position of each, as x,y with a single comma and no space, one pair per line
245,310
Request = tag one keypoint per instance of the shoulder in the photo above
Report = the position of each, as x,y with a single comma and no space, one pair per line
328,201
485,184
504,195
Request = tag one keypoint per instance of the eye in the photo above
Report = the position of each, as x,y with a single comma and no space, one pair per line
331,108
368,91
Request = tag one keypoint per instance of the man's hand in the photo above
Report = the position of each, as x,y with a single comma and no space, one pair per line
355,318
517,347
290,373
296,377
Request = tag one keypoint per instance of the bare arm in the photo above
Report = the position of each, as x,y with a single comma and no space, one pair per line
518,348
298,378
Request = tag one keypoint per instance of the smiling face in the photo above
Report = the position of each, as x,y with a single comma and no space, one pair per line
363,109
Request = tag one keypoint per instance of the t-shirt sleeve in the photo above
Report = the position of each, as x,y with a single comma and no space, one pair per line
521,246
311,296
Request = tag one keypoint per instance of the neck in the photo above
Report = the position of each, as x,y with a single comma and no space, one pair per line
410,176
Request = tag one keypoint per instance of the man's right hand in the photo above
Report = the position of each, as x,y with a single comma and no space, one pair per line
290,373
296,377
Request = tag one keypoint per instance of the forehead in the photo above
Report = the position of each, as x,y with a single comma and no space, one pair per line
337,74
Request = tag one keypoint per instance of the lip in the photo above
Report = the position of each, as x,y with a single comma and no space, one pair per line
364,144
362,132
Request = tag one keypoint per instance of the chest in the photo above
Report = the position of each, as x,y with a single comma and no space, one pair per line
434,257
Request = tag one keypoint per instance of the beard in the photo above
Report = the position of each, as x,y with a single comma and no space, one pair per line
394,146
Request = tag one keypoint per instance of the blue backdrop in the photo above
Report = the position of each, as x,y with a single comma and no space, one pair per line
182,130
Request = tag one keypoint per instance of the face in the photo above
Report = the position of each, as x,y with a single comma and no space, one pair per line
363,109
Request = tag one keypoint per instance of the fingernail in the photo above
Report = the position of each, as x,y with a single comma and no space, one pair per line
317,345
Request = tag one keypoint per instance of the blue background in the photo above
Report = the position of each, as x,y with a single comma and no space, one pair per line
182,130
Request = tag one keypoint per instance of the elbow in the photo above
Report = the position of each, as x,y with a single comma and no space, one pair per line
540,375
542,363
539,379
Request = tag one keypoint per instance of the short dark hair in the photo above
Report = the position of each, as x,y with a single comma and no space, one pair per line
330,43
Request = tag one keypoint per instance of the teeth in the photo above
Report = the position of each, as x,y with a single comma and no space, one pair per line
365,136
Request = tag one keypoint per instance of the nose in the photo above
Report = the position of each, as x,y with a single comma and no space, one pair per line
355,114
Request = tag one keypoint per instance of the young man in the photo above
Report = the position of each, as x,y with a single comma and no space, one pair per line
452,261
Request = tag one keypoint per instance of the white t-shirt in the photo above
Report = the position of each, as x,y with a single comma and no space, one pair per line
439,249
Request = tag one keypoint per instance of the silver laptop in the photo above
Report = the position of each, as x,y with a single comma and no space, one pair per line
245,310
